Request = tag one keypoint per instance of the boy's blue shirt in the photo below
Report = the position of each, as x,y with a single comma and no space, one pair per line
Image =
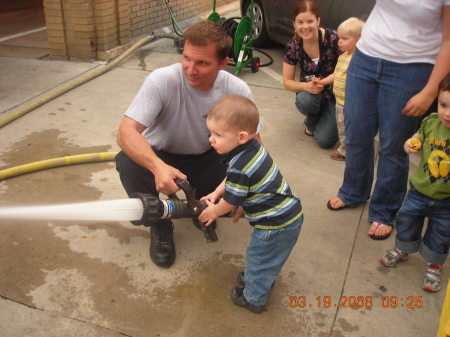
254,182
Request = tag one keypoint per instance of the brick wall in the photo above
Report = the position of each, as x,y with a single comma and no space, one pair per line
102,29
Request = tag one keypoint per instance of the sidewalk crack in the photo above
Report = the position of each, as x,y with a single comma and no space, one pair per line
333,324
64,316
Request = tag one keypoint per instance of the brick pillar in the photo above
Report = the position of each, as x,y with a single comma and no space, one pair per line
55,28
79,27
112,27
70,25
87,29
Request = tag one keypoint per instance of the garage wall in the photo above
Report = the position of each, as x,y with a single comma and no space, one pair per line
102,29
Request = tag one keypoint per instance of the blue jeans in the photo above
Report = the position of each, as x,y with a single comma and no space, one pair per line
376,92
410,220
320,117
266,254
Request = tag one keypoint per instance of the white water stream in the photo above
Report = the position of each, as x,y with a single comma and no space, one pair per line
108,210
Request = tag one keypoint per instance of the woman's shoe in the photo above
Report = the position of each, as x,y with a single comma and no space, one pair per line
378,225
336,205
337,156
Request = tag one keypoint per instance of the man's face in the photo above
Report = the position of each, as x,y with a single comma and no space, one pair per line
201,65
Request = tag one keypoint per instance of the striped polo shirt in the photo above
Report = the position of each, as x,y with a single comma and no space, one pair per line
340,75
254,182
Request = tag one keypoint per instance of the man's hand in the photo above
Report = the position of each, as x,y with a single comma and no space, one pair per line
164,178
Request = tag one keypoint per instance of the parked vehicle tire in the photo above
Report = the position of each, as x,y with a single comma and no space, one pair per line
259,24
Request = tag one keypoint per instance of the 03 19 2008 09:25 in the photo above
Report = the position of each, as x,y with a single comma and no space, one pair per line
367,302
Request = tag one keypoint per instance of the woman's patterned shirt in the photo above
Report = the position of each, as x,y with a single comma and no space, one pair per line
329,53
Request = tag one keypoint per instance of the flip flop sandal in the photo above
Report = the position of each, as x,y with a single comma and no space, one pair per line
337,156
330,207
380,237
308,133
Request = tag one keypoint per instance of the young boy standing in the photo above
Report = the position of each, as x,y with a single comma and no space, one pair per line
429,196
349,33
254,182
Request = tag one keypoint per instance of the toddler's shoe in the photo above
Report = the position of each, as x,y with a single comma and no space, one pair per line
392,256
432,279
237,295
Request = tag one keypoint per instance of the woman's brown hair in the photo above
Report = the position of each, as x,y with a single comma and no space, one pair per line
305,6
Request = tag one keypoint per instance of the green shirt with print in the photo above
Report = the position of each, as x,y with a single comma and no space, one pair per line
432,178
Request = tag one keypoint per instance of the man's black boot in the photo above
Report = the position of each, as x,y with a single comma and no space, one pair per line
162,247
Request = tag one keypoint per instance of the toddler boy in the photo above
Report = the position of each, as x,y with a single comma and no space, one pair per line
254,182
349,33
429,196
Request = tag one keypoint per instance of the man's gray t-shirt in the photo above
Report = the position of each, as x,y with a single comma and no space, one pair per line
175,113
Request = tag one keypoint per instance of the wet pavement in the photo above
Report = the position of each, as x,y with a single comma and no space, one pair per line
72,278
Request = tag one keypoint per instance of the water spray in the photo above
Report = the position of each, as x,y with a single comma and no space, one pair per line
144,209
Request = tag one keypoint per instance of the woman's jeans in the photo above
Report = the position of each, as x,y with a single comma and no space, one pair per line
410,220
376,92
266,254
320,117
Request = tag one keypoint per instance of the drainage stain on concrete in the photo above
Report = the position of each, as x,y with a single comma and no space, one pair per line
142,54
29,247
347,326
96,272
46,144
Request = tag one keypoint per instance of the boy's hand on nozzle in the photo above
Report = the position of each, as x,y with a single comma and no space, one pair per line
208,215
238,214
412,145
213,197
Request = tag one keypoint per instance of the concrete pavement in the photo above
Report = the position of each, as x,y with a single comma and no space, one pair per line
71,278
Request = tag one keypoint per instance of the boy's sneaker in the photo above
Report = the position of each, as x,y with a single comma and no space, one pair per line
237,295
432,279
392,256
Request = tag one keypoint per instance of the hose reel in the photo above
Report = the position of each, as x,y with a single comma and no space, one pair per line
240,30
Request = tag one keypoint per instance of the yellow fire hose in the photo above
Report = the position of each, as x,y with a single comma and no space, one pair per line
22,110
57,162
76,159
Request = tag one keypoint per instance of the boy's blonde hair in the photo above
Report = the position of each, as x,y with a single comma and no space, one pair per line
352,26
237,112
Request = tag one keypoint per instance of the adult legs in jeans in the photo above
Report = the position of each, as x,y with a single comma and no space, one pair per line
204,173
434,245
266,254
320,117
399,83
376,92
